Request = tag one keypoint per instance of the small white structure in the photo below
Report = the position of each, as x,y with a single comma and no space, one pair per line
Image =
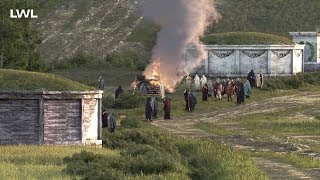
311,40
238,60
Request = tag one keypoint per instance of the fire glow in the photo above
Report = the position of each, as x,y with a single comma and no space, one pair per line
181,26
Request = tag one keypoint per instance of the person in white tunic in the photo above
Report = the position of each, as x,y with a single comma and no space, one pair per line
203,80
197,82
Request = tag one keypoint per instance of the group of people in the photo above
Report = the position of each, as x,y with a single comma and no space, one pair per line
223,87
151,108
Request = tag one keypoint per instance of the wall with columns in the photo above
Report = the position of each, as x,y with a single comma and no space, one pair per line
238,60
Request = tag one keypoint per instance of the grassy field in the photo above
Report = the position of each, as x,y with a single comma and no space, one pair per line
39,162
280,128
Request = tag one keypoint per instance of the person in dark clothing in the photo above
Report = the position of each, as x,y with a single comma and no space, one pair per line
186,93
148,109
252,78
167,108
205,91
240,93
192,99
104,118
111,122
118,92
154,106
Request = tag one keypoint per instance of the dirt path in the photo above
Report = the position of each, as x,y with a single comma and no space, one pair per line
184,126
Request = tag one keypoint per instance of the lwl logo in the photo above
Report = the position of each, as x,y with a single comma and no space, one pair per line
22,13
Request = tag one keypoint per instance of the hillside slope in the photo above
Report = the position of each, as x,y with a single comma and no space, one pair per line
101,26
95,27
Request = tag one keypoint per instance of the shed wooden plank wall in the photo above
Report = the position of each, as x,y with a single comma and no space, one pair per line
19,121
62,121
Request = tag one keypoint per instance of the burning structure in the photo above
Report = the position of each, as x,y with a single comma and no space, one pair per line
152,81
183,22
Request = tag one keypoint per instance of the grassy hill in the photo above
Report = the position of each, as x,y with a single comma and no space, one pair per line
241,38
102,26
15,80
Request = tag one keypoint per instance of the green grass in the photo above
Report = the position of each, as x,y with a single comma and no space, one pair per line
39,162
15,80
273,128
290,158
205,159
245,38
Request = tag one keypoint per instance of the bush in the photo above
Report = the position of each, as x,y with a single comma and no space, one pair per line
292,82
129,101
131,122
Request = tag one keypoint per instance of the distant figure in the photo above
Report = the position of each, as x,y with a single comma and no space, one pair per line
210,88
167,108
111,122
104,118
154,106
260,80
192,100
219,91
229,90
252,78
205,92
188,82
118,92
240,92
247,89
143,88
186,93
203,80
101,83
197,82
162,91
148,109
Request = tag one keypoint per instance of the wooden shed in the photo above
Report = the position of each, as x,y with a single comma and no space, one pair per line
50,117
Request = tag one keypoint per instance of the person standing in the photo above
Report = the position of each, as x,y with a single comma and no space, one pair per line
167,108
143,88
148,109
210,88
203,80
186,93
197,82
247,89
154,106
205,91
118,92
260,80
111,122
188,82
229,90
252,78
240,93
219,91
104,118
192,99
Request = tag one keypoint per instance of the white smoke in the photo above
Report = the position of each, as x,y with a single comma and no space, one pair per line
182,23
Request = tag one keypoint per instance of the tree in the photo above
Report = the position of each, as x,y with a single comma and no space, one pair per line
18,41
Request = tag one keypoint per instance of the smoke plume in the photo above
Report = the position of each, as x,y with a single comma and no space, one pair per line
182,23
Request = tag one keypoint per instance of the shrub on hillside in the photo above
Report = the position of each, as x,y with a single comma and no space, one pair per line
131,122
129,101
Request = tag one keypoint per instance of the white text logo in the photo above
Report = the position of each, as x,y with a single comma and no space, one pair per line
22,13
